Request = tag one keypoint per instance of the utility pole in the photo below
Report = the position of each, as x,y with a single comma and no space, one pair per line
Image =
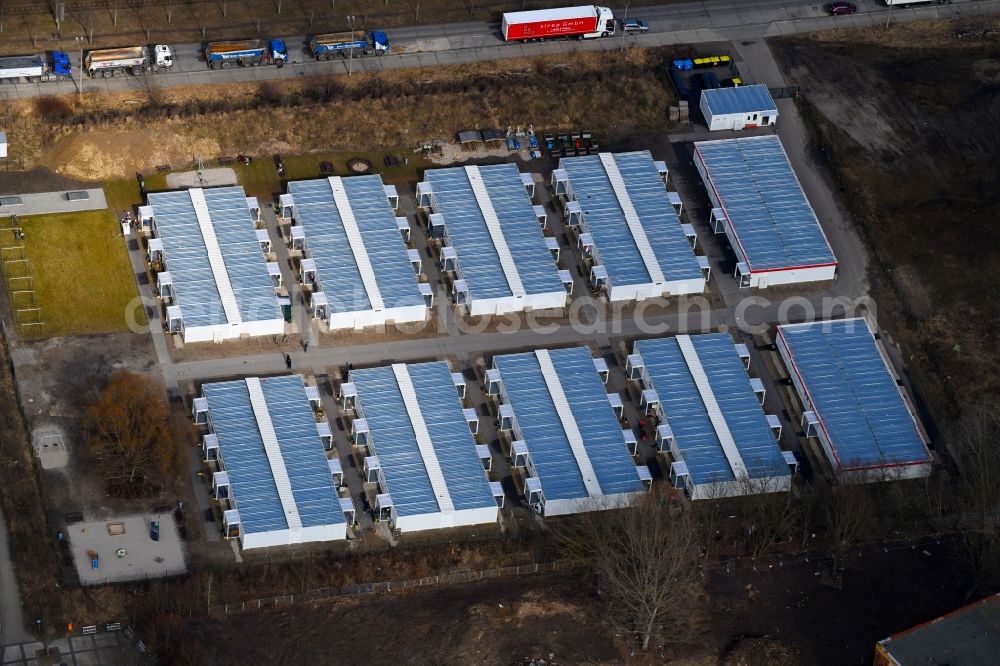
353,21
79,42
625,18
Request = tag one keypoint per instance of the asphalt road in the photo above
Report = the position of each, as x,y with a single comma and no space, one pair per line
457,43
11,621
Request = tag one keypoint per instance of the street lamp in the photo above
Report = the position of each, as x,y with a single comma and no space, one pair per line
353,21
79,43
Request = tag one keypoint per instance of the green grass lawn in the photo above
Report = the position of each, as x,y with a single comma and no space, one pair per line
81,272
260,178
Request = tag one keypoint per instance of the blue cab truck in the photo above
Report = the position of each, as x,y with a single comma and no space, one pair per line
246,53
346,44
35,68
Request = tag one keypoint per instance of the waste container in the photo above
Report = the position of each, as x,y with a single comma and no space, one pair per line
154,530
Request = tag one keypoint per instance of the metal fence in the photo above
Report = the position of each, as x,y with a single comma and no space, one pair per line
386,587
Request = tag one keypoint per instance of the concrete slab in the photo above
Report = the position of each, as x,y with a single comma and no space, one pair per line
142,558
12,654
82,643
209,178
46,203
91,658
50,448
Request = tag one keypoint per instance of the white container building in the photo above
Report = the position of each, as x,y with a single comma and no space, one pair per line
354,260
493,244
853,402
628,226
273,477
418,437
741,107
216,282
564,435
709,416
760,206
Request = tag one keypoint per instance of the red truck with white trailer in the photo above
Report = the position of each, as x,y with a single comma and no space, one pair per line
580,22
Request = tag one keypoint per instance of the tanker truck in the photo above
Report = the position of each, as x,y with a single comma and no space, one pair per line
35,68
125,60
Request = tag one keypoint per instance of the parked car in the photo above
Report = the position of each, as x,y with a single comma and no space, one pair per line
841,8
634,25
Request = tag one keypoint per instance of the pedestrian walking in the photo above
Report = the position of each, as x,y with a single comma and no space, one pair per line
288,361
305,345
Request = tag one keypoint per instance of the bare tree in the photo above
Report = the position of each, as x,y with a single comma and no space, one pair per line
32,26
168,8
974,444
129,426
849,511
86,20
3,14
644,562
768,512
224,6
114,13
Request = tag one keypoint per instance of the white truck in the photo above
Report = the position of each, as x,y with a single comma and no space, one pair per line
907,3
584,22
133,60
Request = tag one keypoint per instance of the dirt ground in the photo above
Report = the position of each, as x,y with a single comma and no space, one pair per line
113,136
749,618
501,622
914,148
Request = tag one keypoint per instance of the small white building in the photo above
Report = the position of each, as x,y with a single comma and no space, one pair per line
742,107
3,144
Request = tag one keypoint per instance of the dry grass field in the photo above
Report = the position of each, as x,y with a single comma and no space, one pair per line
112,136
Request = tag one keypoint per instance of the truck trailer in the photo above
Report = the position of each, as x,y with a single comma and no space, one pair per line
35,68
246,53
345,44
581,22
133,60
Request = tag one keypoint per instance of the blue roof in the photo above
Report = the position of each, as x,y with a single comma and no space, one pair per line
542,428
853,394
767,209
605,219
682,403
395,443
739,100
471,239
244,458
327,243
186,253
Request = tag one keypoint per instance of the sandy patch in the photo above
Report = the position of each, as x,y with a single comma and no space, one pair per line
119,154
